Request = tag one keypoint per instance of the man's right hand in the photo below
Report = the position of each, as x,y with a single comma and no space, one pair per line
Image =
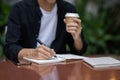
40,53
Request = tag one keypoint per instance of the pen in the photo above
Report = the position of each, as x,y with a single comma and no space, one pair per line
40,42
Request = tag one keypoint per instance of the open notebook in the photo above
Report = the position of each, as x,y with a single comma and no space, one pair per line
98,62
59,58
102,62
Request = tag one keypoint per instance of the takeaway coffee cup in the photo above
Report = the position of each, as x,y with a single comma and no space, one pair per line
69,17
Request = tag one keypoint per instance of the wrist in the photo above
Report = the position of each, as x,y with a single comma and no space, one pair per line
78,43
77,38
24,53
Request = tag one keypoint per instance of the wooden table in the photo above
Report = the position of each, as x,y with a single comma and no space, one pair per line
72,70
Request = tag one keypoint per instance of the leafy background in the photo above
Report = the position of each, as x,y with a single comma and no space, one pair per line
4,12
101,29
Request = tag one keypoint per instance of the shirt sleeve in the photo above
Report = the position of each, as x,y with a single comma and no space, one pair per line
12,46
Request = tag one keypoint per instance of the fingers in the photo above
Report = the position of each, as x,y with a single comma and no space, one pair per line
71,29
44,52
54,53
44,47
37,55
76,20
74,26
74,23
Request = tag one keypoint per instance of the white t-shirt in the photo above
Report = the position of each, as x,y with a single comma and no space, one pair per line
48,26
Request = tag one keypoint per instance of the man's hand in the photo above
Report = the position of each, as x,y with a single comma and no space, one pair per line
41,52
74,28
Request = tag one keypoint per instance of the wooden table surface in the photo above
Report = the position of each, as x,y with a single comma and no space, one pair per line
71,70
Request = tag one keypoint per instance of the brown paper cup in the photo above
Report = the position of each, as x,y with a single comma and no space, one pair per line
69,17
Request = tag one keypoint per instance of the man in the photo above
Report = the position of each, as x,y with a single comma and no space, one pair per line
42,19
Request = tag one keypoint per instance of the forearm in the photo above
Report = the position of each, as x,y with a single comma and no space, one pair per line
78,44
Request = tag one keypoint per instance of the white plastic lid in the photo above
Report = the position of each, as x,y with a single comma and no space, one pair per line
72,15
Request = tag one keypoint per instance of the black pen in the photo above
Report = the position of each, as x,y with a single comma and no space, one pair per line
40,42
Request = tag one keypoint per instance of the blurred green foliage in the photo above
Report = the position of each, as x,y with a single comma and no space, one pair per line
98,29
101,31
4,12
